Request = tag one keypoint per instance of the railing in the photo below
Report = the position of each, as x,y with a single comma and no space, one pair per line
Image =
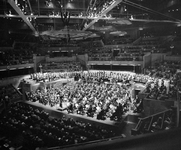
117,58
145,124
136,41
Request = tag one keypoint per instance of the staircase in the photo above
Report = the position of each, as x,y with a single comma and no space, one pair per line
155,122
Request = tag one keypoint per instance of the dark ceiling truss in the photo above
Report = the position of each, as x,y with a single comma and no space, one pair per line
86,13
29,5
38,16
26,19
52,16
65,16
151,11
93,7
109,6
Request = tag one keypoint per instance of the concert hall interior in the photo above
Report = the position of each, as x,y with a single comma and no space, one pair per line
90,74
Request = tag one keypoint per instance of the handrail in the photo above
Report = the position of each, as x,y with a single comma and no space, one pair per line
141,121
163,120
150,124
17,90
138,124
157,114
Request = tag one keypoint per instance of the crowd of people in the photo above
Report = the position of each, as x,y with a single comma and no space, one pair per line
15,57
26,127
166,71
90,75
133,52
48,76
149,41
119,40
122,54
85,98
156,91
62,66
8,95
52,76
104,95
95,94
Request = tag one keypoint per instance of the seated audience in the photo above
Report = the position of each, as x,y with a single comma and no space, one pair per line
28,127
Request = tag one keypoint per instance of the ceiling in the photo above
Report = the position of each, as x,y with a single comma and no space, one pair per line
45,15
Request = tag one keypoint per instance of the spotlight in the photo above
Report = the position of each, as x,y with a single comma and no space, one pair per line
179,25
36,34
49,4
